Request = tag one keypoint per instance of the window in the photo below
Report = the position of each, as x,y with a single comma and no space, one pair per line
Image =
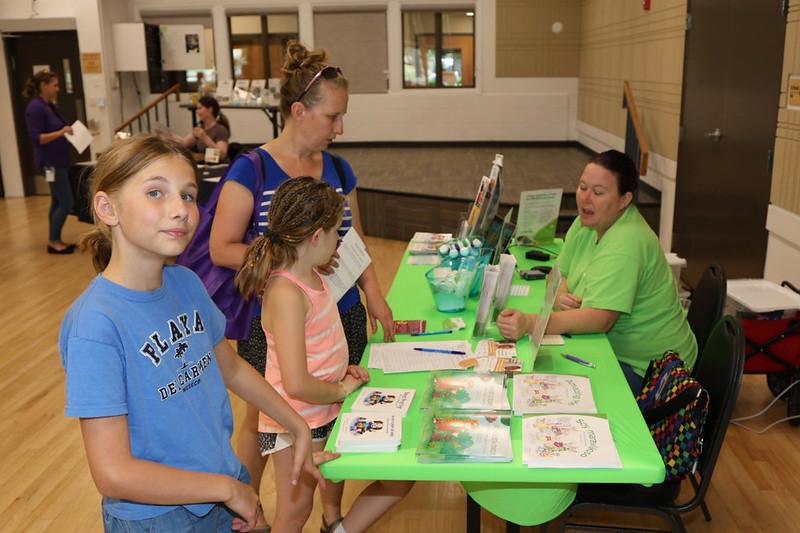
258,43
438,49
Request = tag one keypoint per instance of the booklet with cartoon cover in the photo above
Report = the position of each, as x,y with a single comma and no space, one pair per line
377,400
463,389
465,436
552,393
369,432
568,441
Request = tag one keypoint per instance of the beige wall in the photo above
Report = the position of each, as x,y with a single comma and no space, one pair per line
786,171
783,216
621,41
538,38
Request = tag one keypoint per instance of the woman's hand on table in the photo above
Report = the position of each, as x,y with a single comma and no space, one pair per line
566,301
378,310
513,323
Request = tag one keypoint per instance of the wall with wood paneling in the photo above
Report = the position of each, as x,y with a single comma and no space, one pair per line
783,216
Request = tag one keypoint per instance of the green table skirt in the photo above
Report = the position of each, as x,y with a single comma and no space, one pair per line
526,504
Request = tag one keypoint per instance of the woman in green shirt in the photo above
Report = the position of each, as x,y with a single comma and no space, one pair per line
616,279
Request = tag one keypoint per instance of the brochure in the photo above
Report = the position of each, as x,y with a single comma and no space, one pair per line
463,389
538,216
353,260
379,400
568,441
465,436
552,393
366,432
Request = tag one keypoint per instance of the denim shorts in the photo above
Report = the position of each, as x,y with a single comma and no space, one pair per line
218,520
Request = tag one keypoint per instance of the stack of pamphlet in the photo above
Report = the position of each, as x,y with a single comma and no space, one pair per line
552,393
369,432
382,400
465,436
462,389
568,441
427,243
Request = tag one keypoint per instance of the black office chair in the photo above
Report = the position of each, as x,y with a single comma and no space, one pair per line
708,303
720,372
234,149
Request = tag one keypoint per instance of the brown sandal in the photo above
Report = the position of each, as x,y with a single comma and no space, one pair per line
328,528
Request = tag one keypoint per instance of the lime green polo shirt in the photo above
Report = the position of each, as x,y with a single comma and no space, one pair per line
628,272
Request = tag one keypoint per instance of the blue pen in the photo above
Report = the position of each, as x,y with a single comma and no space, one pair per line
578,360
431,332
567,335
434,350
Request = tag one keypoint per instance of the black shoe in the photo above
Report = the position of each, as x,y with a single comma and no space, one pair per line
68,250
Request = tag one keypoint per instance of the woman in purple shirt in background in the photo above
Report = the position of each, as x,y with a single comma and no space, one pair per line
46,129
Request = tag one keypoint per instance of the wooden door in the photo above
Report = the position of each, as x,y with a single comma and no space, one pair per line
733,59
58,51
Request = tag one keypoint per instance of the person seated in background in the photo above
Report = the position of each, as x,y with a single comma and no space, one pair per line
616,278
212,131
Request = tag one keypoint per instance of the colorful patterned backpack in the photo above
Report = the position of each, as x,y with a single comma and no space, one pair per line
674,406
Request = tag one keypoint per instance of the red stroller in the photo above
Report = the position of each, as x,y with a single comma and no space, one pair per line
771,323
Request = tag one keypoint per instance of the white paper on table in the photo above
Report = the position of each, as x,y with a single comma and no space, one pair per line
430,259
353,260
393,357
520,290
81,137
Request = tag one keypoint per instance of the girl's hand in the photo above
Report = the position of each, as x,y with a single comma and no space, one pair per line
303,460
352,383
566,301
243,502
198,132
358,372
66,129
513,323
325,456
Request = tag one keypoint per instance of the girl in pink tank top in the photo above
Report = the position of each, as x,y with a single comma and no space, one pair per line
307,359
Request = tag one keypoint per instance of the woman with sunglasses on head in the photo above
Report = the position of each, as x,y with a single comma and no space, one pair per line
313,103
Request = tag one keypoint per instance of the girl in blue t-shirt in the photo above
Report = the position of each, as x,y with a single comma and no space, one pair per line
147,364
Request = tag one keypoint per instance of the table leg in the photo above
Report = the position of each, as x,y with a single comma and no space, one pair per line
473,516
273,117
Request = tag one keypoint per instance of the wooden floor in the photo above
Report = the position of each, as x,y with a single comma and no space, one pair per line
46,483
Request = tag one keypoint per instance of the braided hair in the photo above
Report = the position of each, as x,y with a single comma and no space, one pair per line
299,207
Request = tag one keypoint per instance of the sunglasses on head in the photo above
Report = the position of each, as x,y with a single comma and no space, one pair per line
329,73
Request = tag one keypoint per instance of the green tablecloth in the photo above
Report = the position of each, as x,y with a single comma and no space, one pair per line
509,490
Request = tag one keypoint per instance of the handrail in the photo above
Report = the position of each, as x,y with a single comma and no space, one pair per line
174,89
640,147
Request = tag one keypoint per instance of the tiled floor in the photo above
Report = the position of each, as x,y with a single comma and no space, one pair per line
456,171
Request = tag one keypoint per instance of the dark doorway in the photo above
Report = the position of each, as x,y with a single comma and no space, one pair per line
58,51
733,61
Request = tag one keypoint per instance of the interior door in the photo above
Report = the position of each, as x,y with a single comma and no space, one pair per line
57,51
734,54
